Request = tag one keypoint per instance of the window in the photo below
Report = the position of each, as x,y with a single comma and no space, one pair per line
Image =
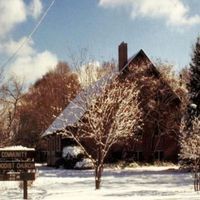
159,155
138,156
58,143
116,156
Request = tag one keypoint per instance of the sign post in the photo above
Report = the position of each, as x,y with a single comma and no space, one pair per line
25,190
17,165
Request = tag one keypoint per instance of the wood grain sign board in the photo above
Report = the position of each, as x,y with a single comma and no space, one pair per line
17,176
17,165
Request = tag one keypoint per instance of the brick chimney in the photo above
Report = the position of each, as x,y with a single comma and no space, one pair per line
122,55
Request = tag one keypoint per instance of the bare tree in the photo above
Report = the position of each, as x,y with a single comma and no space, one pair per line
177,81
112,114
190,149
88,73
11,93
87,68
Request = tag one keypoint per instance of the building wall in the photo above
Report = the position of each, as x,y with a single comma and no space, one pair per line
161,108
54,151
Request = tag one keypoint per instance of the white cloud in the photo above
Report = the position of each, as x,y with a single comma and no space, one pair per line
175,12
14,12
32,67
35,8
10,46
29,64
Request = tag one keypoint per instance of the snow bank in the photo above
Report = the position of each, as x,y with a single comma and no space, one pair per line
71,151
73,158
84,164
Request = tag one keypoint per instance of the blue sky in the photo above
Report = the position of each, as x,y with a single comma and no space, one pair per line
164,29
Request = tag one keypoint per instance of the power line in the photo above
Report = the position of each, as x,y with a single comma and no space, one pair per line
28,38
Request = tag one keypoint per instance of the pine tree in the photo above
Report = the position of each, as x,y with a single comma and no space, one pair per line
194,82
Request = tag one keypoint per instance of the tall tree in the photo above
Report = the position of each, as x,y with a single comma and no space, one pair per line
11,94
113,115
194,82
88,69
93,71
190,137
44,101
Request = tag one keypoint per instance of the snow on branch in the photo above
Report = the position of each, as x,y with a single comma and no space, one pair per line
112,115
190,141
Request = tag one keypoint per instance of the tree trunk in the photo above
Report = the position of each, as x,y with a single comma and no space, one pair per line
196,177
98,168
198,182
98,175
195,184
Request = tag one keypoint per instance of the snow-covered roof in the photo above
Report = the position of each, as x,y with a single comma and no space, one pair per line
76,109
16,148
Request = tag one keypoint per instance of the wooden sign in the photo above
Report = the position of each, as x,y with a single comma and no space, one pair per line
16,165
23,176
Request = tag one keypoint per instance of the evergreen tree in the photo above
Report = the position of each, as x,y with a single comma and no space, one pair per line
194,82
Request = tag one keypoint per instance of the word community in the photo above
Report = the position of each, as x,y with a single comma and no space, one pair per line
6,154
13,154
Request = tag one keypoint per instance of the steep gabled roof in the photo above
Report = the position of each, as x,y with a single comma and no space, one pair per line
76,109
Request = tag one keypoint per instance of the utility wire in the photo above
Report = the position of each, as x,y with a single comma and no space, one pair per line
28,38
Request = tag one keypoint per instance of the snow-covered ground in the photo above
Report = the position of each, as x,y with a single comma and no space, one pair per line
147,183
